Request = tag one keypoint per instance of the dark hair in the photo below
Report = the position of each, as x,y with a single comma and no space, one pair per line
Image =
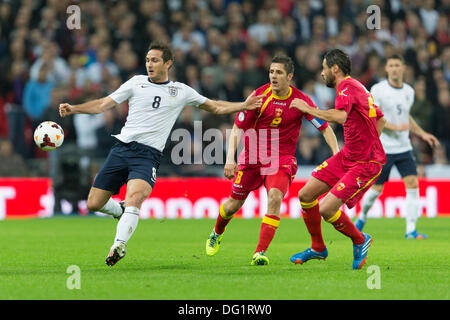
396,57
167,53
286,61
340,58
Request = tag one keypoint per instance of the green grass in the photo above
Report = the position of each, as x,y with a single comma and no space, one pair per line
166,260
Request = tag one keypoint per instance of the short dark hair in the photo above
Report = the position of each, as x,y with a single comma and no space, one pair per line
286,61
396,57
167,53
339,58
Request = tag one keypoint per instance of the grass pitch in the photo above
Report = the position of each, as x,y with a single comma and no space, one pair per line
166,260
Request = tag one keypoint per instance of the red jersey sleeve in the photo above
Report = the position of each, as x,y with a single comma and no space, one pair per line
245,119
379,113
342,101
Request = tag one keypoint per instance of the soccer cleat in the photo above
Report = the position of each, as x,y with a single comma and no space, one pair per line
415,235
116,254
213,243
360,252
260,259
308,254
359,224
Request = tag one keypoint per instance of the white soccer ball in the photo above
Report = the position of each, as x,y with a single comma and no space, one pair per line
48,136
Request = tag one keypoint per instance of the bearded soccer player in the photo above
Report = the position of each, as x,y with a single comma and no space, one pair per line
269,135
395,98
350,173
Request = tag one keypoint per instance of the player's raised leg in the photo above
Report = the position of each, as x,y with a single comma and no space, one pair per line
137,191
226,213
308,196
100,200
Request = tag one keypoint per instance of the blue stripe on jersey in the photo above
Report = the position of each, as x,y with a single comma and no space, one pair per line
317,122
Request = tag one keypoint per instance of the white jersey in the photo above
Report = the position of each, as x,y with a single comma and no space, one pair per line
153,109
395,104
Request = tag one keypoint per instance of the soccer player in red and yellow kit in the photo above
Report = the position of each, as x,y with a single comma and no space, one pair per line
269,135
349,174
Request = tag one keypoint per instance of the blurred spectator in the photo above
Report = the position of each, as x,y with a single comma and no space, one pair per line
422,109
105,141
429,16
302,13
13,165
103,68
37,96
57,69
222,48
262,30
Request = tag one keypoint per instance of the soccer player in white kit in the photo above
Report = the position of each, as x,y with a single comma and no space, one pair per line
154,105
395,98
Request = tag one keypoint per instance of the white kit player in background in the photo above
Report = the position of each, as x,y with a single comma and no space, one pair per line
395,98
154,105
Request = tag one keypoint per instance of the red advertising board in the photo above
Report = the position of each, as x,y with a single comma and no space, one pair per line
201,198
26,197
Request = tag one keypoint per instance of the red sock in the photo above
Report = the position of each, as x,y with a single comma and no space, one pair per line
344,225
313,221
269,226
221,222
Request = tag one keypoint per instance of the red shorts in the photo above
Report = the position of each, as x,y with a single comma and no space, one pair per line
350,179
251,177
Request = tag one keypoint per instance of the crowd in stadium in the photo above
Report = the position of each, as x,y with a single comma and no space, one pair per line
222,49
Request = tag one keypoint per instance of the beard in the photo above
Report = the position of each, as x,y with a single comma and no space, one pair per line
330,80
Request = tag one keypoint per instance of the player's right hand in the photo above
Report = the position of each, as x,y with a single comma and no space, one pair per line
65,109
230,169
253,101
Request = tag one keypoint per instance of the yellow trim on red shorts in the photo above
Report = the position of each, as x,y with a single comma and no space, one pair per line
368,182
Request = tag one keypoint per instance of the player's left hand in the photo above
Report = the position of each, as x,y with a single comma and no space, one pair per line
230,170
253,101
431,140
300,105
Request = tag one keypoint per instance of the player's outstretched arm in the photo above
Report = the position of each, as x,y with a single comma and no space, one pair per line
332,115
427,137
91,107
330,139
224,107
230,164
381,124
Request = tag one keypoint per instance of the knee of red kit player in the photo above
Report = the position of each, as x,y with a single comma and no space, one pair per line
305,196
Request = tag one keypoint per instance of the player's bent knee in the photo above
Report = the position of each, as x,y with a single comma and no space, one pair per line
135,199
231,206
411,182
94,205
305,196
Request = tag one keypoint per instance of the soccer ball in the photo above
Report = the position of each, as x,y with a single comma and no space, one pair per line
48,136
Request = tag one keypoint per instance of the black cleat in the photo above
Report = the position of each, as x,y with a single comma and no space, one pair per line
116,254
